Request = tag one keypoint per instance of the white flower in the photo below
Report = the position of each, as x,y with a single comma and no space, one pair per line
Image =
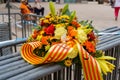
59,32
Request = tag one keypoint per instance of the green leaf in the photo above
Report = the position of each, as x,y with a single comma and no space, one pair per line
65,9
72,16
52,8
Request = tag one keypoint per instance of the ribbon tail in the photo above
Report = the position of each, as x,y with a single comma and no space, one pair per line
90,65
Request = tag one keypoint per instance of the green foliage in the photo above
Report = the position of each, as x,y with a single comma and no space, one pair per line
40,51
52,8
89,25
37,27
65,9
76,60
72,16
99,53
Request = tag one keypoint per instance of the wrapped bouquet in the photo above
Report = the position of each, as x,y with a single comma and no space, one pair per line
61,38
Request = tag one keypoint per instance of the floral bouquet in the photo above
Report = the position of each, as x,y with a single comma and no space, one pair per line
61,38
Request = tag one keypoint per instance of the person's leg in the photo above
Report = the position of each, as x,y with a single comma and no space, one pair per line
116,11
42,11
36,11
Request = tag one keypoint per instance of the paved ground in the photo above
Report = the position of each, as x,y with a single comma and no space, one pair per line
102,15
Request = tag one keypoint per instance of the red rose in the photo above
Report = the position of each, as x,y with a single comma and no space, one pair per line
50,29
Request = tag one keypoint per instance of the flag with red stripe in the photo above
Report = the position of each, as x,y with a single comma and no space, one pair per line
57,52
90,65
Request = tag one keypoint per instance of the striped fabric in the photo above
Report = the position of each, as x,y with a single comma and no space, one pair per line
59,52
90,65
56,53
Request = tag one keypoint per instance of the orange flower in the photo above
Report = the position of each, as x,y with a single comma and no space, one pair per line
89,46
69,28
44,40
35,33
73,32
34,36
75,23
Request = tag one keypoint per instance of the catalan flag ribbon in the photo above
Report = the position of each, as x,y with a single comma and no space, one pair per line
59,52
28,55
90,65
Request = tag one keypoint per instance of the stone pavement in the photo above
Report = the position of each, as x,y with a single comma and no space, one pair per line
102,15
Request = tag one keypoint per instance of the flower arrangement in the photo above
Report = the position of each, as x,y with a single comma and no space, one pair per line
62,39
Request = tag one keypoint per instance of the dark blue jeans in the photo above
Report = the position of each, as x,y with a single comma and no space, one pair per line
39,11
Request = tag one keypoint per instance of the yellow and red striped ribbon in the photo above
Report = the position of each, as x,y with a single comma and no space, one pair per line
90,65
27,52
57,52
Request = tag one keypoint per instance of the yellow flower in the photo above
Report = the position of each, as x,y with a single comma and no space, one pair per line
46,21
65,16
60,25
86,29
59,32
41,19
51,19
59,18
74,52
48,16
39,37
81,36
68,62
41,32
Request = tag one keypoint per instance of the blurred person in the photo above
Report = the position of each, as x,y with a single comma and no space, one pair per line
27,12
25,9
38,9
111,3
30,7
106,1
116,9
